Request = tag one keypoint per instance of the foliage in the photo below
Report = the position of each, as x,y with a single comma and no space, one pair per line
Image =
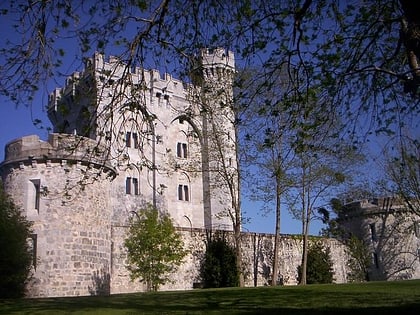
359,261
319,268
15,254
154,248
363,57
403,170
218,268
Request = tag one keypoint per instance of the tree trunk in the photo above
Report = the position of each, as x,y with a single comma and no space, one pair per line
304,255
277,237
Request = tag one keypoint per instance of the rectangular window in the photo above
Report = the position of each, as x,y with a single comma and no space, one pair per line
186,194
37,193
136,186
128,139
184,150
135,140
181,150
183,193
33,247
180,192
128,185
373,231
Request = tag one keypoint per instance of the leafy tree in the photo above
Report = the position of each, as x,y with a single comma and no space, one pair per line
154,248
319,268
218,267
15,255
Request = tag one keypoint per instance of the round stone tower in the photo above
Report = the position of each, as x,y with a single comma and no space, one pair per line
63,187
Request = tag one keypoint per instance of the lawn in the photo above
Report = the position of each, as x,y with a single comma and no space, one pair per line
402,297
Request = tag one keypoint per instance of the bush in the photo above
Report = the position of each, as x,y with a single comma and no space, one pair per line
15,254
218,267
319,267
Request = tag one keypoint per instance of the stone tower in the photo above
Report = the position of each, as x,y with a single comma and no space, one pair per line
64,191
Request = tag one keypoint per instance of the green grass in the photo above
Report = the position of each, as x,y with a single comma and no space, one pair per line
402,297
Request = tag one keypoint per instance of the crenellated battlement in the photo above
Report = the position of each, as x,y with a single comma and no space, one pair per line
30,150
217,58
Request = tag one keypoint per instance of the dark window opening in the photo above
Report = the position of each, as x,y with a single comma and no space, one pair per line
183,193
135,140
181,150
128,185
136,186
128,139
373,231
37,197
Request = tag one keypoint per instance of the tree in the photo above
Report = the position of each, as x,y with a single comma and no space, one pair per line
322,162
360,259
402,169
218,268
265,145
319,265
154,248
15,256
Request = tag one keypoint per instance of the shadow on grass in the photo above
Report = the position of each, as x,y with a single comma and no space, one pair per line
360,299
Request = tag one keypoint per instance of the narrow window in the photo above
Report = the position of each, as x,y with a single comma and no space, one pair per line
136,186
33,248
37,195
184,150
180,192
186,194
128,185
128,139
178,149
135,140
181,150
373,231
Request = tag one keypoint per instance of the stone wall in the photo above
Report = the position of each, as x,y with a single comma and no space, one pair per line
257,260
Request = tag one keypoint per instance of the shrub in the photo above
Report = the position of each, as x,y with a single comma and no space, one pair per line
319,267
218,267
15,254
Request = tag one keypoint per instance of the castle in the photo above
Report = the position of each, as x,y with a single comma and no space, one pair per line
124,137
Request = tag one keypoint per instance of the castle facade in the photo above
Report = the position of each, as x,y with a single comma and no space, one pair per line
124,137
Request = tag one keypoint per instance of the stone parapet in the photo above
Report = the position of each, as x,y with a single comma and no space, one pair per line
59,147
